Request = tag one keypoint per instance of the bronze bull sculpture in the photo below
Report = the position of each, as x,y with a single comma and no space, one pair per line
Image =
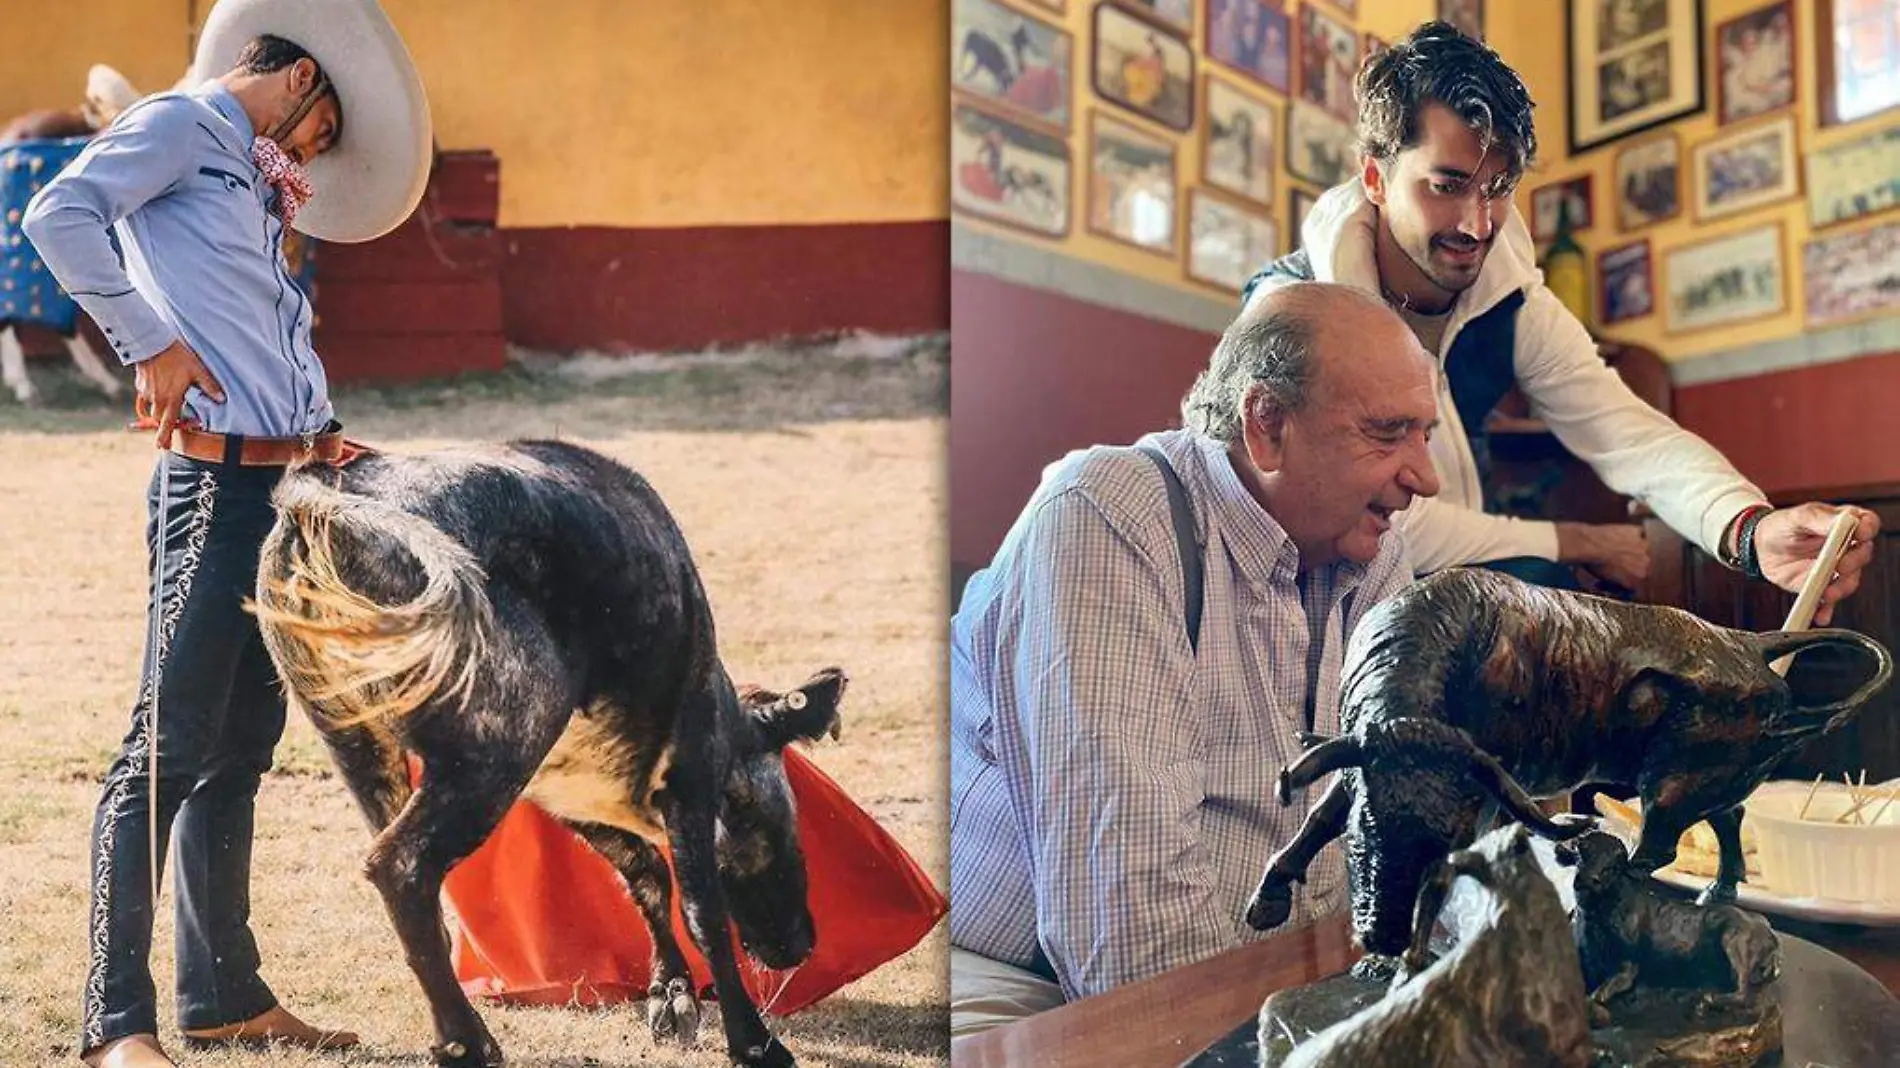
1470,683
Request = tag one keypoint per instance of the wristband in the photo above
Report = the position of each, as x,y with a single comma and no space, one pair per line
1749,559
1733,558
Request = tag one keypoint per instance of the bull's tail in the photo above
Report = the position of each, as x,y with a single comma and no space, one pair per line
1807,718
347,655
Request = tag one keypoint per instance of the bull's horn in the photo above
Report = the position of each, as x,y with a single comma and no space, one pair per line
1328,756
1491,775
1777,644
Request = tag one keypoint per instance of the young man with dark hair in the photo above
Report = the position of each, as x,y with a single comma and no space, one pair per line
168,229
1445,134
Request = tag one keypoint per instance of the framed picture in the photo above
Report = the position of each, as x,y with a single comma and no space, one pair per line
1329,57
1626,283
1631,65
1731,279
1467,15
1143,67
1238,141
1546,201
1855,178
1746,170
1858,47
1319,148
1176,13
1649,182
1299,204
1131,184
1008,173
1852,276
1755,63
1254,38
1057,6
1018,63
1226,242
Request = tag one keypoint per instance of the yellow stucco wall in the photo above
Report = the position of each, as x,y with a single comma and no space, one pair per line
618,112
1386,19
1533,41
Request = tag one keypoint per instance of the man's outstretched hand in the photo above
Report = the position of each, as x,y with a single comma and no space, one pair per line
1788,539
163,380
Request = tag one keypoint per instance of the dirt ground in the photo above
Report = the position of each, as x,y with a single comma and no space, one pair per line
812,487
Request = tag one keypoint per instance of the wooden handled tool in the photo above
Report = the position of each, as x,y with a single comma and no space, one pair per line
1808,601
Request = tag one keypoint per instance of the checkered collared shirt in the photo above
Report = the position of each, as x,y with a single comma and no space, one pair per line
1111,792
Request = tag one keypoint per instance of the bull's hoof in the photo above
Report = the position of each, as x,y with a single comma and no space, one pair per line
673,1012
482,1054
686,1009
661,1020
1270,907
1376,968
1716,893
772,1054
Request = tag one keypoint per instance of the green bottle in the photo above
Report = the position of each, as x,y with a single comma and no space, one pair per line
1566,267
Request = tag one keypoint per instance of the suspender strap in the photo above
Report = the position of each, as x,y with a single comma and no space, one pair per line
1186,540
1188,545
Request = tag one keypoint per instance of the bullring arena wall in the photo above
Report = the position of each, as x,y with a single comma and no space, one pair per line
654,175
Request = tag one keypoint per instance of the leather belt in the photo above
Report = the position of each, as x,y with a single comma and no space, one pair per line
327,447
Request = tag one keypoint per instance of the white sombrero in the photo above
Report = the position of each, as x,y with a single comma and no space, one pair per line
370,182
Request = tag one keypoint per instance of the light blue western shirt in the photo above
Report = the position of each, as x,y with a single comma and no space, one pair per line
161,230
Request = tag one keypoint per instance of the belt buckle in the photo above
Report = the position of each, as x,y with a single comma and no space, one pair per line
309,441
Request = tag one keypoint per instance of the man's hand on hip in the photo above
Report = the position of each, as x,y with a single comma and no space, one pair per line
163,380
1617,553
1788,539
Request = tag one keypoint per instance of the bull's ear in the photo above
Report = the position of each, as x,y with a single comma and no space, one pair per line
1567,854
808,713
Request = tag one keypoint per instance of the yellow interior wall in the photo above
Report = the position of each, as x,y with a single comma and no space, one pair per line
1531,38
652,113
1387,19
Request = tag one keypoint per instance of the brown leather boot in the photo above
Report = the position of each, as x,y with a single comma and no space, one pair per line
275,1025
132,1051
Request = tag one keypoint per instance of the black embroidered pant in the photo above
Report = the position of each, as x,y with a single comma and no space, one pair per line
219,714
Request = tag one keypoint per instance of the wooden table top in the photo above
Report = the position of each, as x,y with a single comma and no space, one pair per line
1167,1019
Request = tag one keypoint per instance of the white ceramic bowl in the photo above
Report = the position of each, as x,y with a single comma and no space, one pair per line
1816,857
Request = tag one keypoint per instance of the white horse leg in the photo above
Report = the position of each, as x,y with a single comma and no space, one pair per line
89,364
13,366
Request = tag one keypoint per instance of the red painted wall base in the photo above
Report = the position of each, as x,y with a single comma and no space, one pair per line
691,287
1815,427
1034,374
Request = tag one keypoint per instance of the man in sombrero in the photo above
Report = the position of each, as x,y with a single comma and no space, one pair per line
168,230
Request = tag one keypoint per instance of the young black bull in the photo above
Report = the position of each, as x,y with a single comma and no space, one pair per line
527,620
1468,683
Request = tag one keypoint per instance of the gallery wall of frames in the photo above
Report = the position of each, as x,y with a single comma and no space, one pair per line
1179,140
1733,165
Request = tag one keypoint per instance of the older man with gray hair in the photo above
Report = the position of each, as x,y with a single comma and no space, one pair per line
1156,629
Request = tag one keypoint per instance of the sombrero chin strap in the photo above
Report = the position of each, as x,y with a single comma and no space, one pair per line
309,100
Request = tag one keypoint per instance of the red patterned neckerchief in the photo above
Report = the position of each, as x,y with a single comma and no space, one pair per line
285,175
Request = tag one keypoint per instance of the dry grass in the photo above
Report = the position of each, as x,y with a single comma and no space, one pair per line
812,489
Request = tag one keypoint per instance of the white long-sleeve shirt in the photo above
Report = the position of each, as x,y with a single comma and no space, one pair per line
1636,450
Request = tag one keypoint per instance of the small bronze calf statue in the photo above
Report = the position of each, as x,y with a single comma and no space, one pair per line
1509,995
1469,683
1627,926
